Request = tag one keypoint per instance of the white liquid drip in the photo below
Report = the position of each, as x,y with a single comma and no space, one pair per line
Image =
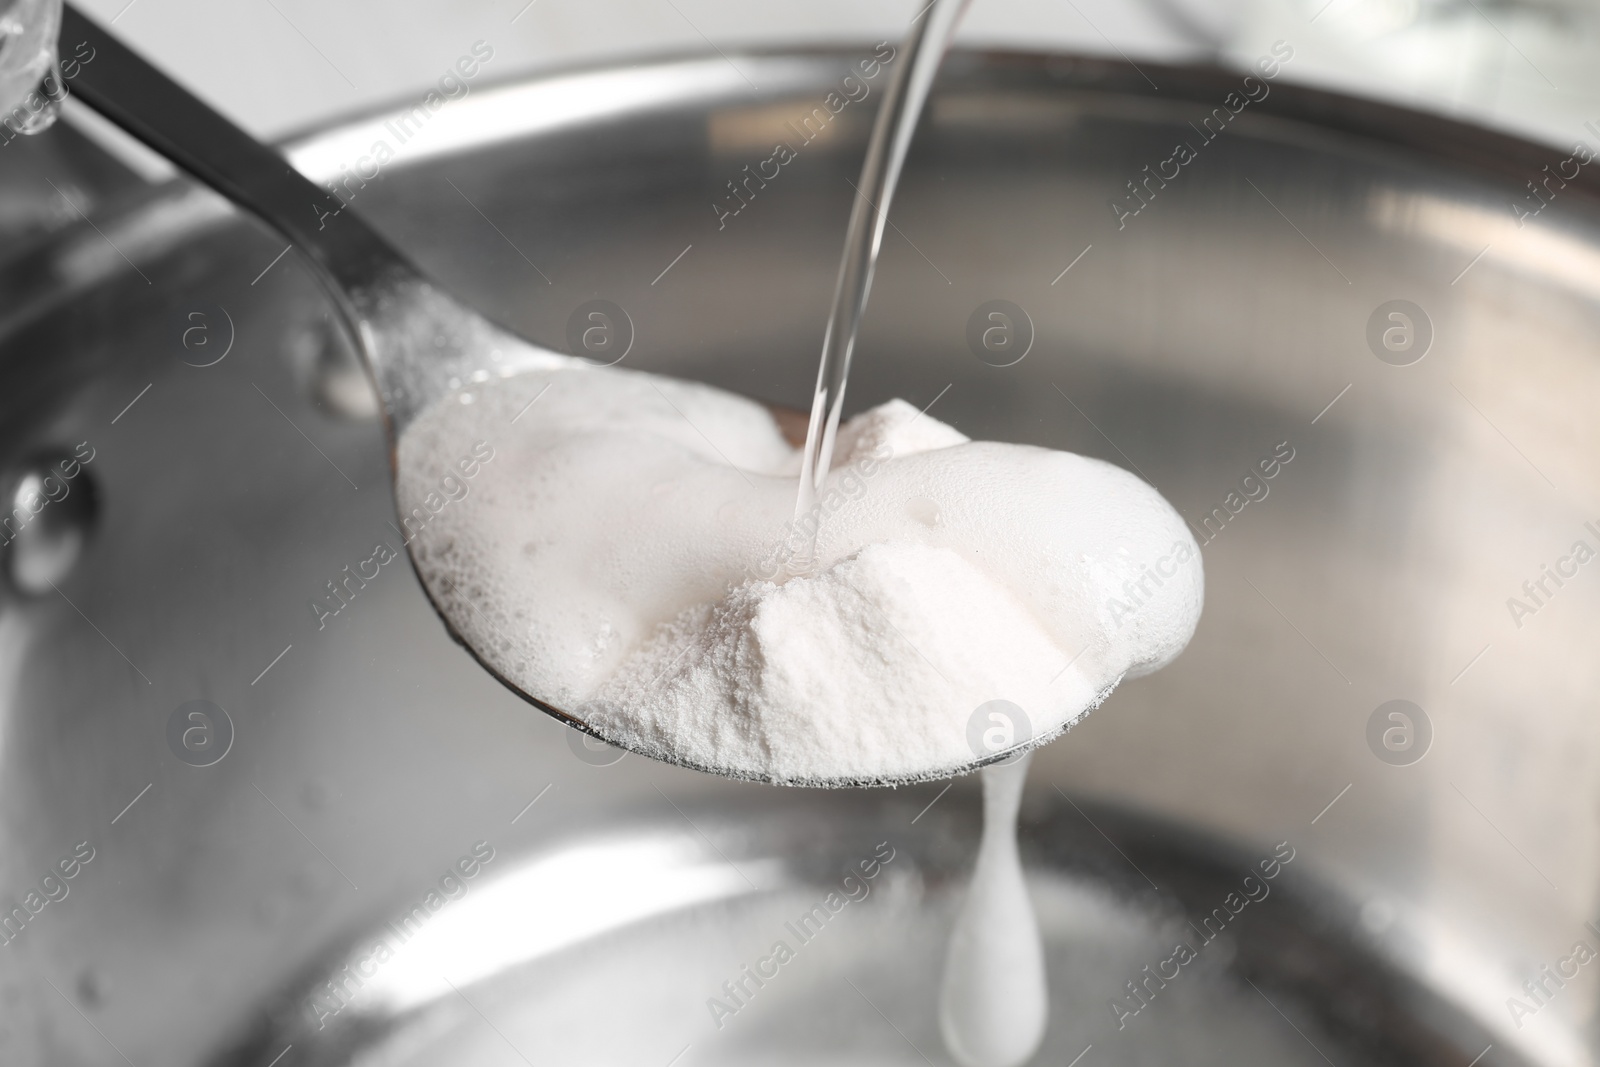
993,1003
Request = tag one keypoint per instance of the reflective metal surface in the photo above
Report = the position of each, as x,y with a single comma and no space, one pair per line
227,910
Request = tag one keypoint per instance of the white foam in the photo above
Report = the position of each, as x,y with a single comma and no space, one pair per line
621,557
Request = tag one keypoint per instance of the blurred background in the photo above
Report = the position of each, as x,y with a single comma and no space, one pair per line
276,66
1430,892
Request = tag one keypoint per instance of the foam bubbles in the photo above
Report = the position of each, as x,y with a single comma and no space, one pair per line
614,559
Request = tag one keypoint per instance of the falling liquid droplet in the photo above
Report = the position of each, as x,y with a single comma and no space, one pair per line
993,1003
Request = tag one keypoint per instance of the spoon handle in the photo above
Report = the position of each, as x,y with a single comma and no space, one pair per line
172,121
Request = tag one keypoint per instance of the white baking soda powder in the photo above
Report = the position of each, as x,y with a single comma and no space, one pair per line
623,559
631,559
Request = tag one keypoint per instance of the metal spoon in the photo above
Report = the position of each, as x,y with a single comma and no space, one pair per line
414,337
393,312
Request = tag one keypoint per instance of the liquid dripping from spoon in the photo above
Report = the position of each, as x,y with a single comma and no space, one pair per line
993,1001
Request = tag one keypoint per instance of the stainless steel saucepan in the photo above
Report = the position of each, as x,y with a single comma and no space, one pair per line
257,809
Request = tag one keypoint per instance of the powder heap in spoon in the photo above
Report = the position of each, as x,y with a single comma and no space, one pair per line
628,556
